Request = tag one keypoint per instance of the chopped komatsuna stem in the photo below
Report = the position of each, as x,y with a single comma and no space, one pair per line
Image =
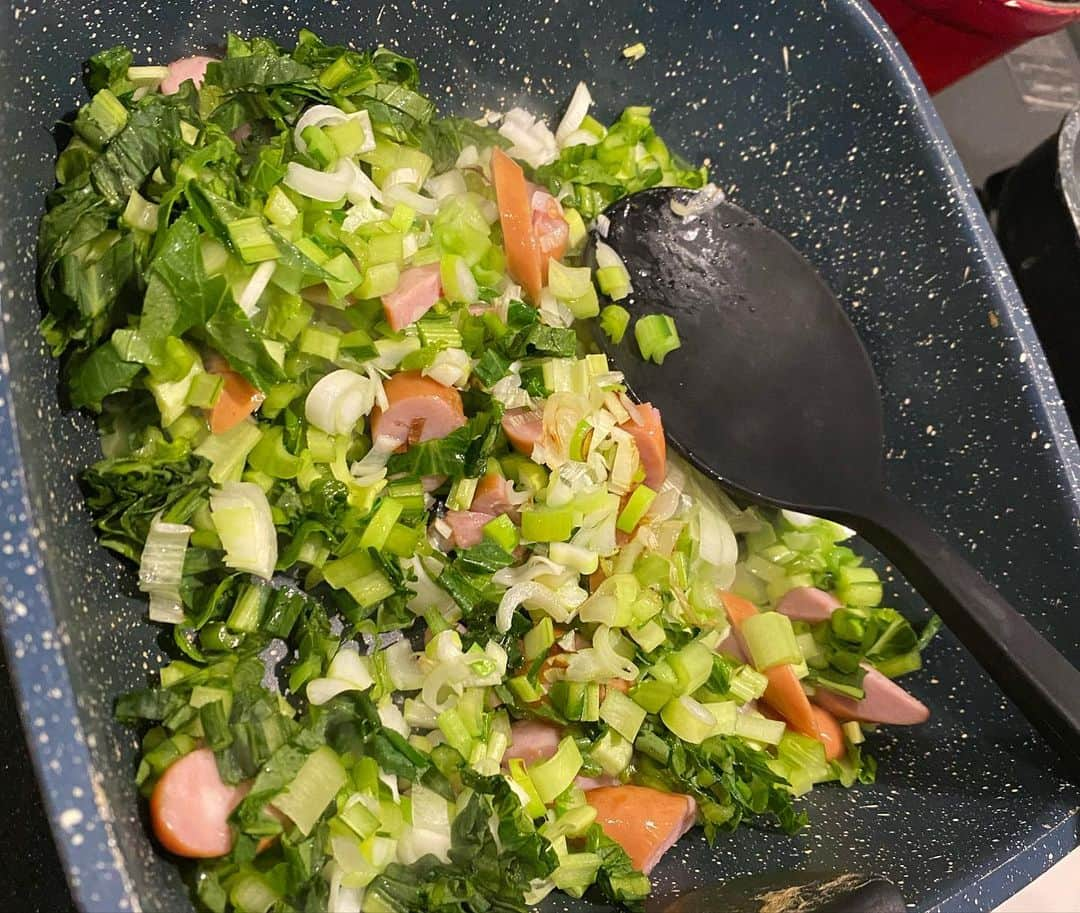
351,415
614,320
656,336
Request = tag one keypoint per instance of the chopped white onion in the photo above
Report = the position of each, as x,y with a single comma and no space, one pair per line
632,409
709,197
362,212
391,717
402,666
430,833
392,351
580,138
538,596
426,593
600,662
532,141
575,113
451,367
469,157
249,297
489,210
445,185
554,313
407,177
371,468
508,391
245,526
446,678
606,256
363,188
468,288
536,566
375,377
626,462
801,520
342,899
320,115
665,504
348,671
339,400
326,186
401,193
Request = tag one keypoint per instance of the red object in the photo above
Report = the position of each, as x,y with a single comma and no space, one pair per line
947,39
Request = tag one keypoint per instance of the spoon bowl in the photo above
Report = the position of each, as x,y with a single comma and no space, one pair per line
772,394
789,389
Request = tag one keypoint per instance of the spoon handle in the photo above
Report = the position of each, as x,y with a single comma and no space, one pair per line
1026,666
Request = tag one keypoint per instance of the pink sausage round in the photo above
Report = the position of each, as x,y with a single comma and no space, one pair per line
417,291
688,820
533,740
421,409
493,495
524,427
807,603
180,71
468,527
603,780
885,702
190,807
732,646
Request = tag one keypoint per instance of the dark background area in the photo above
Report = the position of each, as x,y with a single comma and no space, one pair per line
996,116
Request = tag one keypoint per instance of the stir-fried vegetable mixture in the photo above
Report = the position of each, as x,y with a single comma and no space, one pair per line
450,624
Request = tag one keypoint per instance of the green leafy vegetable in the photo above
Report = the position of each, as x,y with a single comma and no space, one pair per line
232,305
729,779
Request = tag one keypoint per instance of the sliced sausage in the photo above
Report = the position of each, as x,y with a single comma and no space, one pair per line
587,783
644,822
431,483
829,733
468,527
732,646
807,603
180,71
493,495
238,397
418,288
648,434
515,217
421,409
885,702
190,807
524,427
784,693
533,740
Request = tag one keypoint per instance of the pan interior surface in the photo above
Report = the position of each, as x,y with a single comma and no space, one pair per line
810,118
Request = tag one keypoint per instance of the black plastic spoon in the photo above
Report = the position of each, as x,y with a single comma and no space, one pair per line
772,394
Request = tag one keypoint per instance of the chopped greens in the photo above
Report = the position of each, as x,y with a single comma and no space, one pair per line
403,524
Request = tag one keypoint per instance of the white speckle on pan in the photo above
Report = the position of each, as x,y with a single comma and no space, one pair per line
70,818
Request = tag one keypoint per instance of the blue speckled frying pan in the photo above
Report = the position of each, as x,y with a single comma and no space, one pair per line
813,119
